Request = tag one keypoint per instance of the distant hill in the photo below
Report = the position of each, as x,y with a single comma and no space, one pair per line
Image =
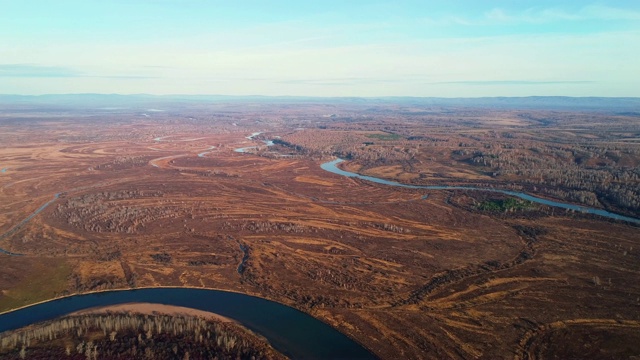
533,102
629,105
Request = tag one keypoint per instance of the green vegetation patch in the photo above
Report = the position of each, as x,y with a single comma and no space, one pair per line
385,136
505,205
44,283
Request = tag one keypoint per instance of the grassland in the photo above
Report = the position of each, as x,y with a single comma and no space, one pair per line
454,274
384,136
43,279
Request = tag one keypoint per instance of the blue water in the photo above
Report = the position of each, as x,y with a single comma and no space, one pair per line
4,170
3,251
331,167
289,331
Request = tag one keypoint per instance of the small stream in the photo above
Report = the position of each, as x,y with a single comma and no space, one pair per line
26,220
245,257
207,150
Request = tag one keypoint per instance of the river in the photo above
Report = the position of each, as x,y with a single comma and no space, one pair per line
289,331
331,166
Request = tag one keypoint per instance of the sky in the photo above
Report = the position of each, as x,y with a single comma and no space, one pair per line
451,48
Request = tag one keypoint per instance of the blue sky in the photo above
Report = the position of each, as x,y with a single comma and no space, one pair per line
321,48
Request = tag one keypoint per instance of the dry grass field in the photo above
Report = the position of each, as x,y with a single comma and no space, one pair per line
136,201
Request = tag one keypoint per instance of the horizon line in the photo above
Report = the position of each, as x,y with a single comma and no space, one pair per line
324,97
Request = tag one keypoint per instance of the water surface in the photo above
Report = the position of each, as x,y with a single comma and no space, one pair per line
331,167
289,331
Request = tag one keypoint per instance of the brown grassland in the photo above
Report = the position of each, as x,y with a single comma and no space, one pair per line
164,200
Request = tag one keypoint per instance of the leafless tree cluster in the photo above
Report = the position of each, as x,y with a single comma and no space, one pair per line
268,226
119,212
124,162
123,336
595,165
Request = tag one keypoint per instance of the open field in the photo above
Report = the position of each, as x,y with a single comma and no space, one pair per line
164,199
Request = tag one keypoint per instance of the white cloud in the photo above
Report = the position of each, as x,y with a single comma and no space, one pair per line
535,15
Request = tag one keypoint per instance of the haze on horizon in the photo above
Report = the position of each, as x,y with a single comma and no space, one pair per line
328,48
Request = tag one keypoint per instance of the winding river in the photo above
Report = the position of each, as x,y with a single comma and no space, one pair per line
331,166
289,331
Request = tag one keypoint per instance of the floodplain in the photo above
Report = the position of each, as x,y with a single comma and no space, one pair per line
101,199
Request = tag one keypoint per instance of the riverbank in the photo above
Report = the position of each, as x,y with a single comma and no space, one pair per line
152,309
289,330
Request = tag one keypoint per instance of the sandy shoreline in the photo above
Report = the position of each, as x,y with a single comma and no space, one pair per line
152,309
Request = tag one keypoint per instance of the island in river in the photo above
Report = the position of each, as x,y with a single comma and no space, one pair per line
125,331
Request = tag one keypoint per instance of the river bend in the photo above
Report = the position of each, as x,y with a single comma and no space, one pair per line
289,331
